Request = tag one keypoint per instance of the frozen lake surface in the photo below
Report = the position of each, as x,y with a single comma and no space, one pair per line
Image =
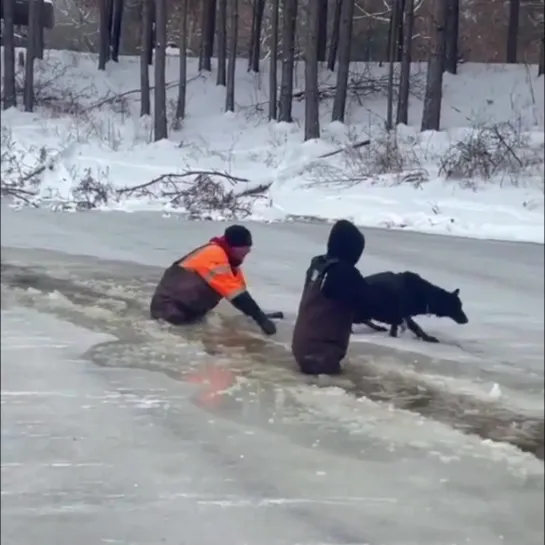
117,430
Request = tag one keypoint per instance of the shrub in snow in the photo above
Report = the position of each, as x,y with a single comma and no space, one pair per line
491,151
384,156
21,169
58,86
91,193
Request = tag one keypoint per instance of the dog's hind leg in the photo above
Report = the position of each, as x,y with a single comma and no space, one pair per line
374,326
393,330
419,332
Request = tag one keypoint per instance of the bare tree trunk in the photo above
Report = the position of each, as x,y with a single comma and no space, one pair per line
453,29
322,30
345,41
392,54
252,33
182,88
395,33
160,98
211,32
40,31
333,46
431,114
312,96
541,65
10,93
368,34
204,21
405,72
273,61
117,20
151,30
513,31
151,33
232,58
255,40
104,30
204,60
145,52
400,30
289,16
33,23
221,29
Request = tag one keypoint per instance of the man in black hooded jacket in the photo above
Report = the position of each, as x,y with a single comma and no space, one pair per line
333,290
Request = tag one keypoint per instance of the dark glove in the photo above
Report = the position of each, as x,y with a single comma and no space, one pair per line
246,304
276,315
266,324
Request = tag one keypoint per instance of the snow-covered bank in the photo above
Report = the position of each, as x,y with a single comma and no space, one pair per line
431,182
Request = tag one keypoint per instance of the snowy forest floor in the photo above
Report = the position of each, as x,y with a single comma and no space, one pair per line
86,146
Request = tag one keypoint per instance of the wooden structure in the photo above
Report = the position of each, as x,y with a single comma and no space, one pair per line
21,13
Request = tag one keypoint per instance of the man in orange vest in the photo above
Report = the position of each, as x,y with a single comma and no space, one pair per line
194,284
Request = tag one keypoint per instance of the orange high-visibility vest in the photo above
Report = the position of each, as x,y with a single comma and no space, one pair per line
211,263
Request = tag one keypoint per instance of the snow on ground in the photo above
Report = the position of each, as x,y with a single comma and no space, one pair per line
402,185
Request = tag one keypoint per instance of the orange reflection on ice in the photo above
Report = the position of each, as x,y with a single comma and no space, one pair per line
215,380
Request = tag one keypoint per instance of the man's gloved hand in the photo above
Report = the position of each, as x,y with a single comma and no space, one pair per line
266,324
276,315
248,306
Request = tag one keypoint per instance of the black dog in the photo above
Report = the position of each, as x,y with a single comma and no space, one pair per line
394,298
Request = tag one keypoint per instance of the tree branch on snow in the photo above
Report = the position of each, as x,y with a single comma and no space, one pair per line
180,177
361,85
364,84
202,194
19,194
356,145
119,96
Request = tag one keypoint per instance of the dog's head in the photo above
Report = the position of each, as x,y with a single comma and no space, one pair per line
449,305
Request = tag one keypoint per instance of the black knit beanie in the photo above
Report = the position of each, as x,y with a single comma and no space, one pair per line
238,235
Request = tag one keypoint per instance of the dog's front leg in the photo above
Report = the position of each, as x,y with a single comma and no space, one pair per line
419,332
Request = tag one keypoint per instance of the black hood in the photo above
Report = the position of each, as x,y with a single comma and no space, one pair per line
345,242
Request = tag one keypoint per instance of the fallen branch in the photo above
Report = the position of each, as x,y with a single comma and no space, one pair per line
172,178
202,194
359,86
32,173
356,145
254,191
118,96
21,194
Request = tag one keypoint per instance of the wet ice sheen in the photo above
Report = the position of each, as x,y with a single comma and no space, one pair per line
113,296
242,432
105,465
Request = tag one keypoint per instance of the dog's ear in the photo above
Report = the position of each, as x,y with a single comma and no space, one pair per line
456,292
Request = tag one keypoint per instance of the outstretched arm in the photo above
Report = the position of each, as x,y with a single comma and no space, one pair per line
247,305
232,286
